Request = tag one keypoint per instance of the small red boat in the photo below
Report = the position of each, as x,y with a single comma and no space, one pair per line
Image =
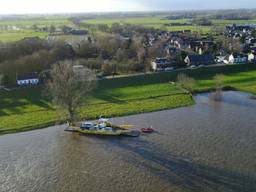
147,130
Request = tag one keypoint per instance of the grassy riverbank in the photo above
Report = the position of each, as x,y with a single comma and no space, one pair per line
26,109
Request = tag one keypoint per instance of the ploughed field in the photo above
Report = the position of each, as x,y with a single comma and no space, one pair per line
26,109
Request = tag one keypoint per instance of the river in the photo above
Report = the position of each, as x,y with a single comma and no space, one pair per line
210,146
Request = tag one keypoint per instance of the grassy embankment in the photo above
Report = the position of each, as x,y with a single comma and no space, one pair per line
25,109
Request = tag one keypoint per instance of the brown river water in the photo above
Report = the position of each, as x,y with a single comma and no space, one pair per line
210,146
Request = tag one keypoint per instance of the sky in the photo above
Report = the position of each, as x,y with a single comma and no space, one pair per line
79,6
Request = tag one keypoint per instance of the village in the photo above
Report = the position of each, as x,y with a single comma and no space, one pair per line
202,52
176,49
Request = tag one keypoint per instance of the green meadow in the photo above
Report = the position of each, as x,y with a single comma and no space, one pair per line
24,28
26,109
9,36
154,22
134,20
40,22
158,22
26,24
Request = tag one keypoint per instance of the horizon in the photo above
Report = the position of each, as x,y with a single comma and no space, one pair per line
116,6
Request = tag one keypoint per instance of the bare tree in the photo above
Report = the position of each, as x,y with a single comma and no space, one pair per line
185,82
219,83
68,86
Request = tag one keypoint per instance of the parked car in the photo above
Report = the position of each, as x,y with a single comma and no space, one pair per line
169,69
192,67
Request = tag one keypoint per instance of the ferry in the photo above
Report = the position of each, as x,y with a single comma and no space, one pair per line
102,127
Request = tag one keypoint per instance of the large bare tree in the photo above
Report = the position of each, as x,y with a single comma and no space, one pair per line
69,84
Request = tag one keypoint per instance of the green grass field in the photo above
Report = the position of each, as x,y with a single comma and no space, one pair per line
9,36
25,28
155,22
132,20
26,109
158,22
26,24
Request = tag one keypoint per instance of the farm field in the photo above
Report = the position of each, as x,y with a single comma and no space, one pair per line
155,22
158,22
23,27
37,21
17,30
10,36
134,20
26,109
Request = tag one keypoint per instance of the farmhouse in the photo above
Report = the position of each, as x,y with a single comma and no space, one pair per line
199,60
28,79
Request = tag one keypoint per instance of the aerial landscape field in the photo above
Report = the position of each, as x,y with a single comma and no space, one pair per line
18,29
138,96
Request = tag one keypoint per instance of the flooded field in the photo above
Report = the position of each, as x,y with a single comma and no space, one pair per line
207,147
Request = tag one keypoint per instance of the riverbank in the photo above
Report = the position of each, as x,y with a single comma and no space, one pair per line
26,109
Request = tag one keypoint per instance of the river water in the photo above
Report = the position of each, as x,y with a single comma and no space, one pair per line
207,147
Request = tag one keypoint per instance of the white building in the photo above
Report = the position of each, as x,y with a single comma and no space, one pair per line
162,64
28,79
251,57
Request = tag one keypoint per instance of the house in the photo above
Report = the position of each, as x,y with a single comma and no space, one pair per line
162,64
242,27
236,59
170,49
251,58
220,59
78,32
28,79
199,60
